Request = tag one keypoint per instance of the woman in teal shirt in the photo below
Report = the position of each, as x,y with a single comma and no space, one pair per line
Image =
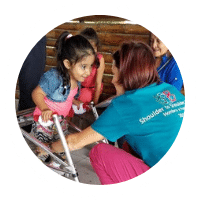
149,115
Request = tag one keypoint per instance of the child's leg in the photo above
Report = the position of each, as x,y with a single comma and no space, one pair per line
114,165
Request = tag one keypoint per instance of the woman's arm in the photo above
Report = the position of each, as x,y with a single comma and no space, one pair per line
78,140
38,97
99,78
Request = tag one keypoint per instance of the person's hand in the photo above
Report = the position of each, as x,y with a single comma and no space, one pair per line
46,115
77,103
115,80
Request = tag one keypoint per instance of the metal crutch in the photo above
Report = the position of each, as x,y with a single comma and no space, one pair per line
64,143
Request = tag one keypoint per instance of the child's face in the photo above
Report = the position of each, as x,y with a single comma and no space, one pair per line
82,69
159,49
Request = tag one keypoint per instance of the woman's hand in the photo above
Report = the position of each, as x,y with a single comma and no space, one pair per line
46,114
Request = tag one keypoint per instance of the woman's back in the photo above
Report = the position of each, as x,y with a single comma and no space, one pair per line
150,119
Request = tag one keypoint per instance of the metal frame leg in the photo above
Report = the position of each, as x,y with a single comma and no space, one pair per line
64,143
68,168
96,115
46,149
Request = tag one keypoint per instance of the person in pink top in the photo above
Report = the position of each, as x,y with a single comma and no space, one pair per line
58,86
92,87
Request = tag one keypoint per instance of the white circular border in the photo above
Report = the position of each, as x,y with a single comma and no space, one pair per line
20,52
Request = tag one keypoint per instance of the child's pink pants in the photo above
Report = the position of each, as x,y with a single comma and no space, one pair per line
114,165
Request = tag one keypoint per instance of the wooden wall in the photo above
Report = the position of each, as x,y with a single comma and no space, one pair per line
111,36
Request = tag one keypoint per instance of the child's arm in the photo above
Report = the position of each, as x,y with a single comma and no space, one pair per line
38,97
99,78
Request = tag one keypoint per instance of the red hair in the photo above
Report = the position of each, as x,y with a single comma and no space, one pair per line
137,66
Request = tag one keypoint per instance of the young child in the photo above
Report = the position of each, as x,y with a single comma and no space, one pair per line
58,86
92,87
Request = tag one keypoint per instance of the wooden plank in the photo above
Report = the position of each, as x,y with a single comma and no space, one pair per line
55,33
109,89
123,28
16,94
107,78
106,38
51,61
51,42
108,48
108,68
118,39
76,26
105,27
107,57
51,51
97,18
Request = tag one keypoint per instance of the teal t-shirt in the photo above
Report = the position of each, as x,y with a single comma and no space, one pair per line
149,118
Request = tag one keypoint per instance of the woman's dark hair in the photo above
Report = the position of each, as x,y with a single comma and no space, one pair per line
137,66
116,58
91,35
72,48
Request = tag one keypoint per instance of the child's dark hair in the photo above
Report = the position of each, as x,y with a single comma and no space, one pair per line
91,35
73,49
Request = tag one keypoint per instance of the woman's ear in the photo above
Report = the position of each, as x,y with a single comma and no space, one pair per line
66,63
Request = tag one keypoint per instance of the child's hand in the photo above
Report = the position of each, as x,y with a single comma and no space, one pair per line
86,107
77,103
46,115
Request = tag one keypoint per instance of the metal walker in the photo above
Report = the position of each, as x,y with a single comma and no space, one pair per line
62,167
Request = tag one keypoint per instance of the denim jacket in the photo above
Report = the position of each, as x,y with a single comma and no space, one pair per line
51,83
